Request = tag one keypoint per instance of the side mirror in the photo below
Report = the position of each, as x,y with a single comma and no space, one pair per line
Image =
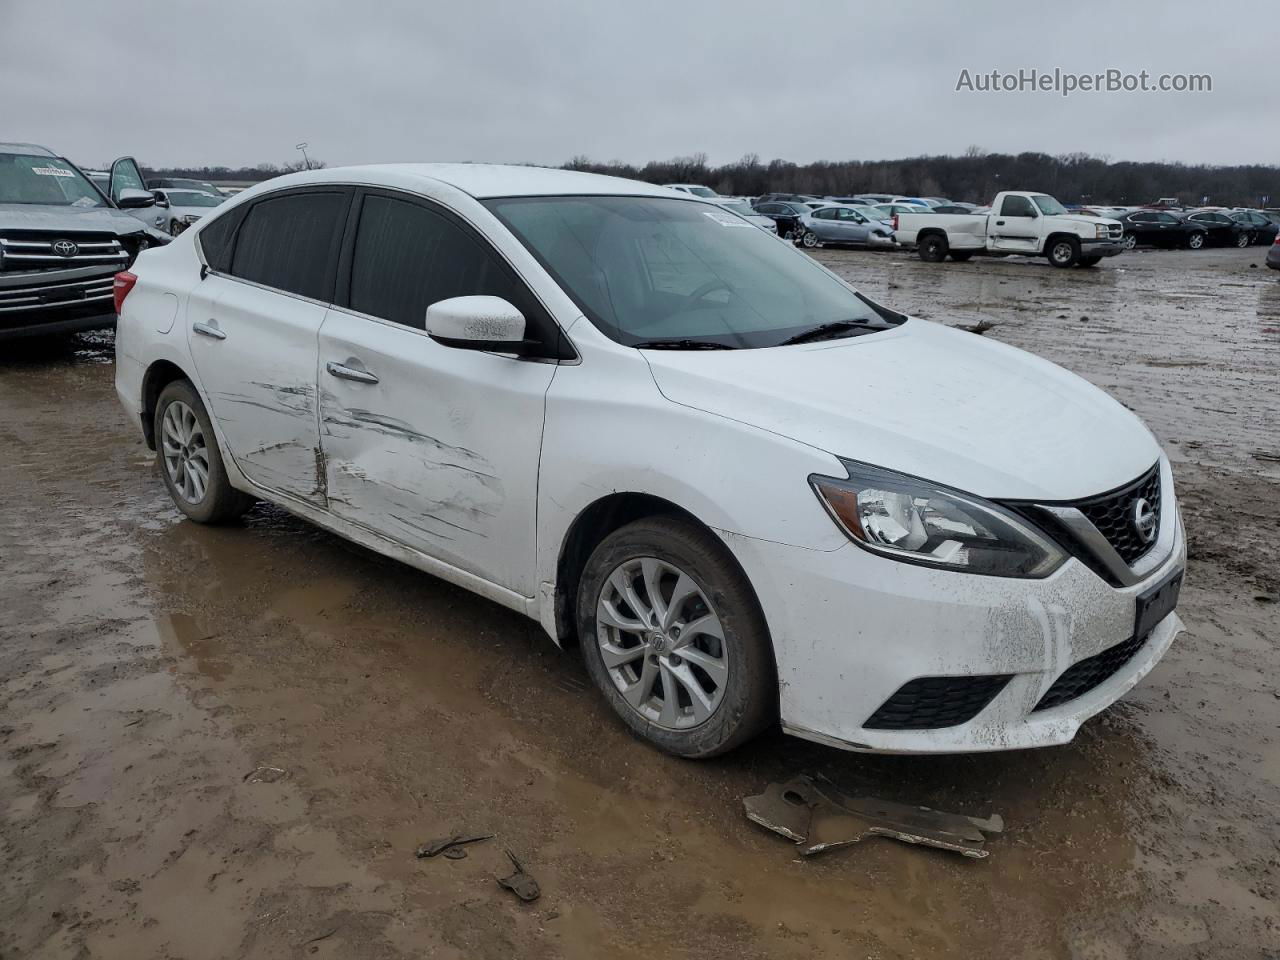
478,323
131,199
160,201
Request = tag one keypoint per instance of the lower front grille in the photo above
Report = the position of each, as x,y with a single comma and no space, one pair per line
43,294
928,703
1080,678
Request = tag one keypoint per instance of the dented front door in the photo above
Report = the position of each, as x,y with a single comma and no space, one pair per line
255,354
433,446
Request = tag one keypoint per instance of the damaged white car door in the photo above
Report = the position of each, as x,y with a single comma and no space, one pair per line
253,323
432,445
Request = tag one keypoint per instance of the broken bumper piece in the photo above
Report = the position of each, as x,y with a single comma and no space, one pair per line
819,817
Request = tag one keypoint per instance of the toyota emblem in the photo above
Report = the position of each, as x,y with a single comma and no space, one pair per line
65,248
1144,519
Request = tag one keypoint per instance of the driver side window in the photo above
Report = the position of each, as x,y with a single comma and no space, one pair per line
1017,207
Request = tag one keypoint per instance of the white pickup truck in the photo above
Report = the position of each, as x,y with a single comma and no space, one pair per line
1019,222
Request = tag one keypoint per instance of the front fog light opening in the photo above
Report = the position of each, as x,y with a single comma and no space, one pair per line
915,521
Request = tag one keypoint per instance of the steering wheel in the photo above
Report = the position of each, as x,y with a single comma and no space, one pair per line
709,287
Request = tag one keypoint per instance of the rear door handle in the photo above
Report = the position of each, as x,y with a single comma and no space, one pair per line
209,329
343,372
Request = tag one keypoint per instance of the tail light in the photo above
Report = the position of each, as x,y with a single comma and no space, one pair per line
1277,240
895,221
120,288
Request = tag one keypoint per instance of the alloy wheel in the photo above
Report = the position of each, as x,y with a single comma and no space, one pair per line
1062,252
1242,240
1130,242
1196,241
662,643
186,456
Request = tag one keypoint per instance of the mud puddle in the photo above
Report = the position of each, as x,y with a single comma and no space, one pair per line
148,666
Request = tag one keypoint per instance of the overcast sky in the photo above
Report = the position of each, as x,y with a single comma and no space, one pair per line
176,82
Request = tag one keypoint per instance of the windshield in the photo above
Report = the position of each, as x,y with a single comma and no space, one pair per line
703,192
649,269
191,198
1049,206
29,179
871,213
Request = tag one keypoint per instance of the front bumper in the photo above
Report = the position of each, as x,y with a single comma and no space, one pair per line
850,629
885,243
1101,248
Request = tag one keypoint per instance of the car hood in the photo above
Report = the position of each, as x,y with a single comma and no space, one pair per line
1081,218
36,216
927,400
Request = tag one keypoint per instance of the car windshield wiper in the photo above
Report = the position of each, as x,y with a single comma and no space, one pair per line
825,330
681,344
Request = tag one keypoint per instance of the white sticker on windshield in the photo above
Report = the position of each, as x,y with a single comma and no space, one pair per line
84,202
727,220
51,172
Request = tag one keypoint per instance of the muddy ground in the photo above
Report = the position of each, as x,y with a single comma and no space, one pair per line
149,665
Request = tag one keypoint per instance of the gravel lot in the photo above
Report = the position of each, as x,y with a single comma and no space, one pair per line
149,666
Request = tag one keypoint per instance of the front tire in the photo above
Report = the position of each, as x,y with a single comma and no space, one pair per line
1243,240
1195,241
933,249
810,239
1130,241
1064,252
674,638
189,461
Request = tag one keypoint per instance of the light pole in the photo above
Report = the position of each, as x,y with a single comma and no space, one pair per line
303,147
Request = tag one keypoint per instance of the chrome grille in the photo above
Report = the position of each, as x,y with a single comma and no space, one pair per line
35,251
1114,231
68,293
1113,515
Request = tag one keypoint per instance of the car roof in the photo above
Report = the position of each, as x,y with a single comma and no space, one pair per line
31,149
484,180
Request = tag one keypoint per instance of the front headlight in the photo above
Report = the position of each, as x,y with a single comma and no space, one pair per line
1101,229
919,522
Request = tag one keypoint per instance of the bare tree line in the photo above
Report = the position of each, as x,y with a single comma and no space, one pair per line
976,176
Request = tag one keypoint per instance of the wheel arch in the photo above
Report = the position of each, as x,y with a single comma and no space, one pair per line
595,522
159,375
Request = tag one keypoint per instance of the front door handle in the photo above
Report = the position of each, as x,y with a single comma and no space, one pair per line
344,372
209,329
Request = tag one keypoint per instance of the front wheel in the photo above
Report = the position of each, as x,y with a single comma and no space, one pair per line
1130,241
1064,252
933,249
810,239
1243,240
674,638
189,460
1195,241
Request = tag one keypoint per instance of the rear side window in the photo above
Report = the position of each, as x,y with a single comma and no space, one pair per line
216,239
290,242
408,257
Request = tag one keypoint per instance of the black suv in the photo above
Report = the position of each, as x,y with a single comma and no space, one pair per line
62,240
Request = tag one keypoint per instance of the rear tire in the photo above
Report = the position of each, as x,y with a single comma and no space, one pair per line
1243,240
933,249
729,659
189,461
1064,252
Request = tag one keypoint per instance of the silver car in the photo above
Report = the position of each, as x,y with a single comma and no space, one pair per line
745,210
845,224
175,210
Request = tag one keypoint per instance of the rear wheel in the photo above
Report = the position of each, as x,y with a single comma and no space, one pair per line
189,461
933,248
961,257
674,638
1195,241
1064,251
1243,240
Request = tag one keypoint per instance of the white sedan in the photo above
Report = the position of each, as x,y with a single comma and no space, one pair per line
749,493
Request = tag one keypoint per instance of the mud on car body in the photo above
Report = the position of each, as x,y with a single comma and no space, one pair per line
748,492
62,240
